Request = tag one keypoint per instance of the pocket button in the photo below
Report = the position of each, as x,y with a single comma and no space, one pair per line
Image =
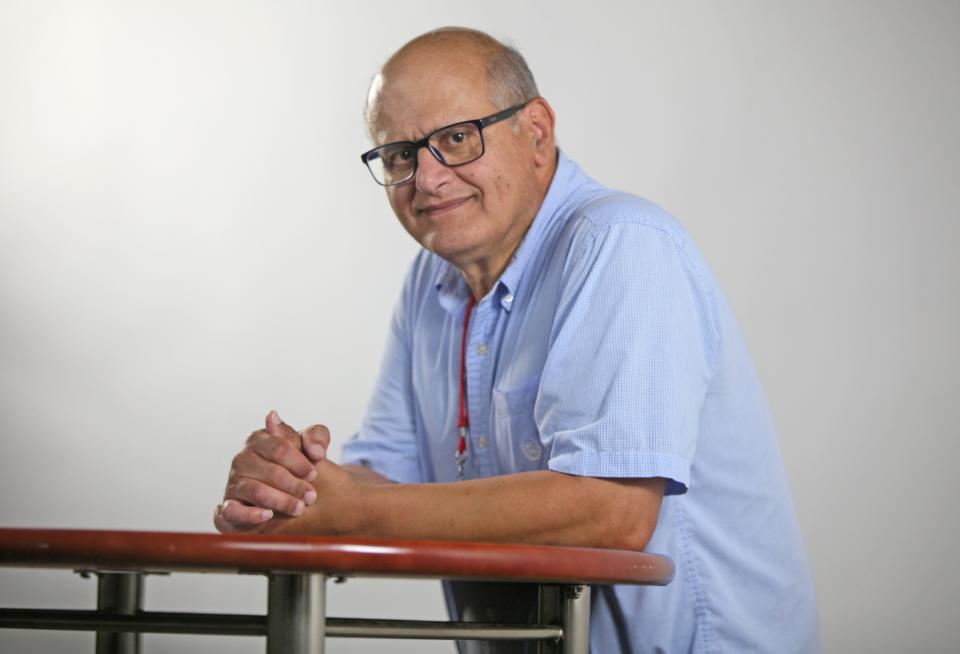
531,450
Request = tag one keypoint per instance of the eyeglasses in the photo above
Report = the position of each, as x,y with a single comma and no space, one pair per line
453,145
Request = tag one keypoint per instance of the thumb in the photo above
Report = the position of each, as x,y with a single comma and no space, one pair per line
277,427
316,440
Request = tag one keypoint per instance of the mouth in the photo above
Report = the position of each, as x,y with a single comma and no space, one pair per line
441,208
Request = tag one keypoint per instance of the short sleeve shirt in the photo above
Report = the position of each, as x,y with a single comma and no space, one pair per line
606,349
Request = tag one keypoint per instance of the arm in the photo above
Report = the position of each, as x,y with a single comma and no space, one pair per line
542,507
364,474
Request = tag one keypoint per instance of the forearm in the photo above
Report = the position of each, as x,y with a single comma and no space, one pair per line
364,474
540,507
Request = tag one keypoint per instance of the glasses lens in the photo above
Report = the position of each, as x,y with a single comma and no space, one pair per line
458,144
392,163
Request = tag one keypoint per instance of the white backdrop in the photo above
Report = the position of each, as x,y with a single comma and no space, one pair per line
189,239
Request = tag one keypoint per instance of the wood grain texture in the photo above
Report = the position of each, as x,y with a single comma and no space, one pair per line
347,557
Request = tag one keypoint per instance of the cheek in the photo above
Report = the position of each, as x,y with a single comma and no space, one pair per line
504,186
495,185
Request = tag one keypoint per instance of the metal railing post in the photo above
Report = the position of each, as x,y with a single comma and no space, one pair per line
296,614
119,593
576,619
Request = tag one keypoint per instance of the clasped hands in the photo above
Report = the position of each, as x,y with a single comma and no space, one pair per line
281,481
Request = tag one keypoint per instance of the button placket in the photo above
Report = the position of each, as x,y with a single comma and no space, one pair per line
479,372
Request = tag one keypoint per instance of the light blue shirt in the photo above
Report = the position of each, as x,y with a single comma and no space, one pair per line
606,349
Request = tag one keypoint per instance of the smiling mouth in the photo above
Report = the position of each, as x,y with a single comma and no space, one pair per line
441,208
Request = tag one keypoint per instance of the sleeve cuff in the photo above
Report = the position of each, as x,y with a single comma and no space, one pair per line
394,466
625,465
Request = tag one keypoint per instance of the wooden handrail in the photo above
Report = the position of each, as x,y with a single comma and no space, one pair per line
349,557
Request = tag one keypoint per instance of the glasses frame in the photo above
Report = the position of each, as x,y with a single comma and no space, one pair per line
480,123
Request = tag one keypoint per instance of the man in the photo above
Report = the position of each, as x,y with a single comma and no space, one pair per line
561,368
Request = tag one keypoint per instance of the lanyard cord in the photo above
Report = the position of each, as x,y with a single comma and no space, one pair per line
463,420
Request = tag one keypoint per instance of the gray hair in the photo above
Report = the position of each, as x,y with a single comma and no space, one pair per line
511,81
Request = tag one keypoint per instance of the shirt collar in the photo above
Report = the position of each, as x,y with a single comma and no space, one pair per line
451,287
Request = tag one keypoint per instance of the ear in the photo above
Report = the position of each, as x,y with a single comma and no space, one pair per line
541,121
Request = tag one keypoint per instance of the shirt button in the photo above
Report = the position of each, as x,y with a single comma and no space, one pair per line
508,298
482,441
482,349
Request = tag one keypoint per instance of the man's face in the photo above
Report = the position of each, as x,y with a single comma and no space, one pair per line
474,214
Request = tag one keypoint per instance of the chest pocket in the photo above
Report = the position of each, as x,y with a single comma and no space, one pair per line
517,438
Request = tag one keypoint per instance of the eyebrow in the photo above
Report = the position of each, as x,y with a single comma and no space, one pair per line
425,134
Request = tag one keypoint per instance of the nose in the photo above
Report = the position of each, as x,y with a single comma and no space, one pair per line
431,175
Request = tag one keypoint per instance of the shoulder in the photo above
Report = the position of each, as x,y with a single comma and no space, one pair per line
626,253
615,213
617,226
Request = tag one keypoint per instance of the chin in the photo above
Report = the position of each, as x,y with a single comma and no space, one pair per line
452,247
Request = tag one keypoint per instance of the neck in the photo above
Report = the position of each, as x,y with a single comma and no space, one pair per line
481,274
481,278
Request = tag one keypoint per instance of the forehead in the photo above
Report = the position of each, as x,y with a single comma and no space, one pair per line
420,94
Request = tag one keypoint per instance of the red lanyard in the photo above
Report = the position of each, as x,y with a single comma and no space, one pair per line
463,421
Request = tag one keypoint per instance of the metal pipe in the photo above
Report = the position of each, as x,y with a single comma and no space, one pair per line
426,630
256,625
119,593
144,622
576,620
296,614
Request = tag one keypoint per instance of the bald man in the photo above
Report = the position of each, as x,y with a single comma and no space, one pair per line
561,368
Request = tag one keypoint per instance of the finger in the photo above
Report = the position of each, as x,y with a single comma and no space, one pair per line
277,427
282,452
316,440
255,467
224,526
219,523
234,516
262,496
248,462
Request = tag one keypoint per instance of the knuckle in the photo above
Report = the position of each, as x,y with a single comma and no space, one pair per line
296,490
276,477
244,488
237,461
261,496
279,450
